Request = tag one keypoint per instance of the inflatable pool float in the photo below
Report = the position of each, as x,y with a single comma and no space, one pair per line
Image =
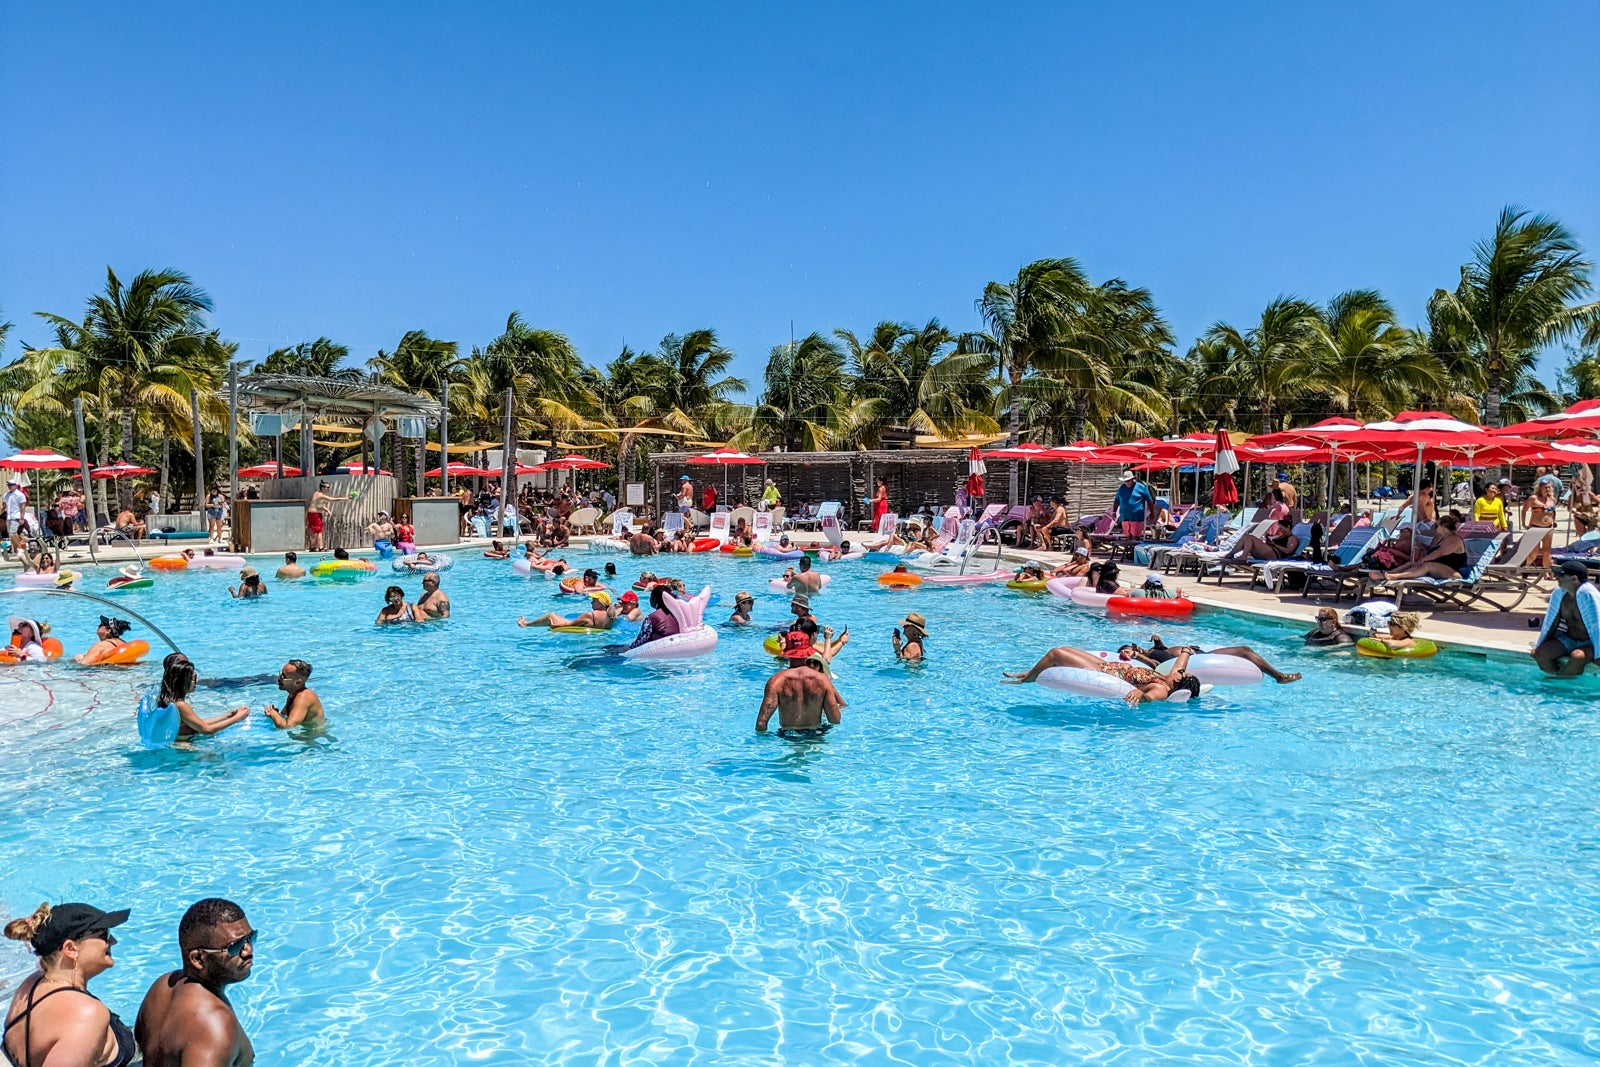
522,567
742,552
608,544
158,727
778,585
773,644
170,563
35,580
128,653
856,554
1027,585
969,579
215,563
705,544
1063,587
1147,605
12,653
900,580
1089,683
409,565
1208,668
345,570
694,637
579,630
1085,597
1372,646
768,552
122,583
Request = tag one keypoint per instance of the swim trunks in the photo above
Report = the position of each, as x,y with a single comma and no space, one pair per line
314,521
803,733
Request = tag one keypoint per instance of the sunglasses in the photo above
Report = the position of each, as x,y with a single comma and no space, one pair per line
236,947
99,935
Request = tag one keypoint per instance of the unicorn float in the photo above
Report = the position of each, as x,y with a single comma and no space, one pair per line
694,637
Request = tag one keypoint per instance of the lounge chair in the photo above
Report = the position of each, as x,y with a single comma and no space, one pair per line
1475,583
826,509
1351,550
1301,532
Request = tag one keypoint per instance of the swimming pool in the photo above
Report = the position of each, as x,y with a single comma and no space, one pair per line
505,850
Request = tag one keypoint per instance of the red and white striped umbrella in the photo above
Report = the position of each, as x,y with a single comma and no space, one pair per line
38,459
1224,464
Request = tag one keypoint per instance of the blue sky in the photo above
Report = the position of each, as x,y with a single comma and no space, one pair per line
622,171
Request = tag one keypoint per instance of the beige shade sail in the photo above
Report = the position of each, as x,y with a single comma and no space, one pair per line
461,450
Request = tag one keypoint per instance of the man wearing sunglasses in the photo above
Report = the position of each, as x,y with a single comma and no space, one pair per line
186,1018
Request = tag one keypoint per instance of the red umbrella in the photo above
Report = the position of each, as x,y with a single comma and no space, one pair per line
1580,420
726,457
38,459
1224,494
459,470
1564,452
575,463
268,470
358,468
116,470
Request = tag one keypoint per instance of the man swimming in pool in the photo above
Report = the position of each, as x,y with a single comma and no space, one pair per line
806,580
303,707
432,604
801,694
291,567
1148,684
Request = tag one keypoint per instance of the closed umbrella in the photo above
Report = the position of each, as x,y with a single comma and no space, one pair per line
1224,494
976,469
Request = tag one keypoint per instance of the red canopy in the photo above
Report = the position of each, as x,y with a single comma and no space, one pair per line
1563,452
1024,450
358,468
575,463
268,470
1080,451
38,459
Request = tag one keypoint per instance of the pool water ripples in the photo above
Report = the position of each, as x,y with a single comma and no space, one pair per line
508,849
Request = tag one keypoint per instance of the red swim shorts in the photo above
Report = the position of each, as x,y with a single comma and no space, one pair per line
314,521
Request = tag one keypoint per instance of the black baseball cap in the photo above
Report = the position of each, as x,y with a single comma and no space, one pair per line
68,922
1575,568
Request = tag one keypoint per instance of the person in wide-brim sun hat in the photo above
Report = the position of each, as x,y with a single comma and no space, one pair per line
910,645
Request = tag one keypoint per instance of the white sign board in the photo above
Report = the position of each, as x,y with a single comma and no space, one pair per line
634,497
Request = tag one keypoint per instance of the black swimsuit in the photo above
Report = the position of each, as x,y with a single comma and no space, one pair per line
119,1029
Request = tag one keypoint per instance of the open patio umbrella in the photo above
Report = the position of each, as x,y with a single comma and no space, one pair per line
1580,420
1026,451
115,470
725,458
357,467
38,459
459,470
1082,452
268,470
574,462
1224,494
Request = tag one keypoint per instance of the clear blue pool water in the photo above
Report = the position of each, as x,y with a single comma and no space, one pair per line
503,851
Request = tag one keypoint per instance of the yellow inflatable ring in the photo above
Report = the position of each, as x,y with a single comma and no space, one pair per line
1027,586
1372,646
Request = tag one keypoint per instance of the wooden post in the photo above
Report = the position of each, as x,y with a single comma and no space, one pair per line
508,461
444,437
233,432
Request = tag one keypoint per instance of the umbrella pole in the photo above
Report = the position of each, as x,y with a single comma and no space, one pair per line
83,465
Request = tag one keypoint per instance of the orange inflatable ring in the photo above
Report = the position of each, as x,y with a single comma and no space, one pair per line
12,653
900,579
170,563
128,653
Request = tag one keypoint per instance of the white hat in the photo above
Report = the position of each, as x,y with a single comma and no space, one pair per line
1080,551
1127,476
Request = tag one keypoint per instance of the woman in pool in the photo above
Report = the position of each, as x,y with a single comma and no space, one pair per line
830,553
108,639
591,583
26,635
1402,624
743,605
909,647
498,551
1329,632
1106,581
395,609
250,585
601,615
1148,684
178,679
52,1017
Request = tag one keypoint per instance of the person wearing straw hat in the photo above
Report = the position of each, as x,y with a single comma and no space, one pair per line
1133,502
250,585
743,605
909,646
801,693
602,614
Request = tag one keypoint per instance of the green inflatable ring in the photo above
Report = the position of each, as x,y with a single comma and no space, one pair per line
1372,646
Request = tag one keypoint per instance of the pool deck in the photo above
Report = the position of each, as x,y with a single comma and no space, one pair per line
1501,634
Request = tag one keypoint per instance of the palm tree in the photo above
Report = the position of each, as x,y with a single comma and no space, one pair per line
140,349
312,359
1516,296
1264,361
1026,319
903,376
804,401
417,365
542,369
690,375
1360,357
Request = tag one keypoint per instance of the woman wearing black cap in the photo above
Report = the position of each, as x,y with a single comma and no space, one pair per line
109,634
73,943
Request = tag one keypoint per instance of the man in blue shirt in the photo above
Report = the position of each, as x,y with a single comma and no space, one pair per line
1134,498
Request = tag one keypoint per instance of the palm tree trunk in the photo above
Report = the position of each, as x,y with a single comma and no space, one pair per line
1491,397
125,485
101,502
166,462
1014,426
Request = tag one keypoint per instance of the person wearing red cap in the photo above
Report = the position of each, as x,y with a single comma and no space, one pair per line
53,1018
630,606
801,693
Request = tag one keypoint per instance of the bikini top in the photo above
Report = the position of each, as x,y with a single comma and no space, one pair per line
120,1030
